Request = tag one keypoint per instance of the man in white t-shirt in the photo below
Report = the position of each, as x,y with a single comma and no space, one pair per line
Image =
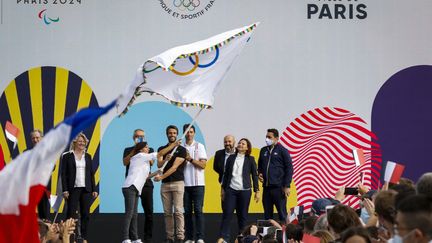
193,198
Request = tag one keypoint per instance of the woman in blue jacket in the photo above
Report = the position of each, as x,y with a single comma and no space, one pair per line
240,168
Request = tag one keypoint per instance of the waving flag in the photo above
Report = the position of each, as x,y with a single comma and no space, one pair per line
189,74
359,157
393,172
12,132
23,181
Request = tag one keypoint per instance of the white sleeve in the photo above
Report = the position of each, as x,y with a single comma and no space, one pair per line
147,157
201,152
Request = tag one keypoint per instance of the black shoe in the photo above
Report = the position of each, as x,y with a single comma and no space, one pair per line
147,241
169,241
179,241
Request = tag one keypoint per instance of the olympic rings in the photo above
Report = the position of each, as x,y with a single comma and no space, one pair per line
208,64
149,71
187,72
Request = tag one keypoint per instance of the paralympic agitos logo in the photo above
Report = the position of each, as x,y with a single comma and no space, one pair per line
186,9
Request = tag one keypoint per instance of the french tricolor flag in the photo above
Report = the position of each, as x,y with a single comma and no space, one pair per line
23,181
12,132
393,172
359,157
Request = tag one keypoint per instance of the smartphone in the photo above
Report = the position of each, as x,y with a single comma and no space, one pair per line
351,191
260,230
263,223
279,236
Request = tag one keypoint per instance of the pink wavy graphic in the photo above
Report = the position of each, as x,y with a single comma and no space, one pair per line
321,142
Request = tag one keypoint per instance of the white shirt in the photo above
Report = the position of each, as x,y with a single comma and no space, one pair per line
237,173
139,168
194,176
80,164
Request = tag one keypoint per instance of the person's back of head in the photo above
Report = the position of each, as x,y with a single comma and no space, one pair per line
321,223
385,205
356,234
342,217
414,219
324,235
424,185
309,224
294,232
403,191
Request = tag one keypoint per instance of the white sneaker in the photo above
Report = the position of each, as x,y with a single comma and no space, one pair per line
127,241
200,241
137,241
189,241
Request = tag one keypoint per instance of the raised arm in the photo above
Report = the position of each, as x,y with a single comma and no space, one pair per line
164,151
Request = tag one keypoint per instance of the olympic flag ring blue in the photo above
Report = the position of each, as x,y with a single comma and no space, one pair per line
208,64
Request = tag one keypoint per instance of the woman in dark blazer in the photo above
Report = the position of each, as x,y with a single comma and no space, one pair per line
78,181
236,187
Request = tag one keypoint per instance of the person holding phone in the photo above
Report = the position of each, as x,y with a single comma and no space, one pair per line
240,168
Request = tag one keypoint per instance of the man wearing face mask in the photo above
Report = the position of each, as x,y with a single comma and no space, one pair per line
147,190
275,172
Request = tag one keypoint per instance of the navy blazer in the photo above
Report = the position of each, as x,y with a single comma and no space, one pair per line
68,173
249,169
218,163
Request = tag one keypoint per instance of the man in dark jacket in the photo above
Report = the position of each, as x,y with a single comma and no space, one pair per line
275,172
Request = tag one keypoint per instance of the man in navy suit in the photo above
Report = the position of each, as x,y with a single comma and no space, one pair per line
222,155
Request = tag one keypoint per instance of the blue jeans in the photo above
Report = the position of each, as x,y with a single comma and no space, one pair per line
238,201
130,224
193,200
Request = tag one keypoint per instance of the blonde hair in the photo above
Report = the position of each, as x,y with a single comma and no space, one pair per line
324,235
80,135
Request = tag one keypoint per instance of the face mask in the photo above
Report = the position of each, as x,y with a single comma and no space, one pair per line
364,215
139,139
269,142
399,239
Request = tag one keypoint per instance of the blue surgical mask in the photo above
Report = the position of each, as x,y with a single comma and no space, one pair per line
269,142
364,215
139,139
399,239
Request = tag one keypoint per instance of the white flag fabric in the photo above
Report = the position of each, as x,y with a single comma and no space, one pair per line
189,74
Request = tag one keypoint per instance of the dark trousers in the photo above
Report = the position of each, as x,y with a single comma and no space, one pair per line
130,223
44,207
193,200
147,204
234,200
83,197
274,196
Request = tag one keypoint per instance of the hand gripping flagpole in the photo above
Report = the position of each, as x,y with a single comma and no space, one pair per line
160,171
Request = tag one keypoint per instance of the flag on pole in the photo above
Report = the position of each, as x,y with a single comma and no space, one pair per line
393,172
12,132
23,181
188,75
359,157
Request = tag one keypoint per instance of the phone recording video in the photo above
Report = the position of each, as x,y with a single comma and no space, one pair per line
351,191
279,236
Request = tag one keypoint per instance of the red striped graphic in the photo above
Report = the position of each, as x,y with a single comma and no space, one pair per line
321,144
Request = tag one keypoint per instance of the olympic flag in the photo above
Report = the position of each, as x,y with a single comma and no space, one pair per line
189,74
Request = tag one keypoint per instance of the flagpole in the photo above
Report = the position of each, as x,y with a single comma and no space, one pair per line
160,171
